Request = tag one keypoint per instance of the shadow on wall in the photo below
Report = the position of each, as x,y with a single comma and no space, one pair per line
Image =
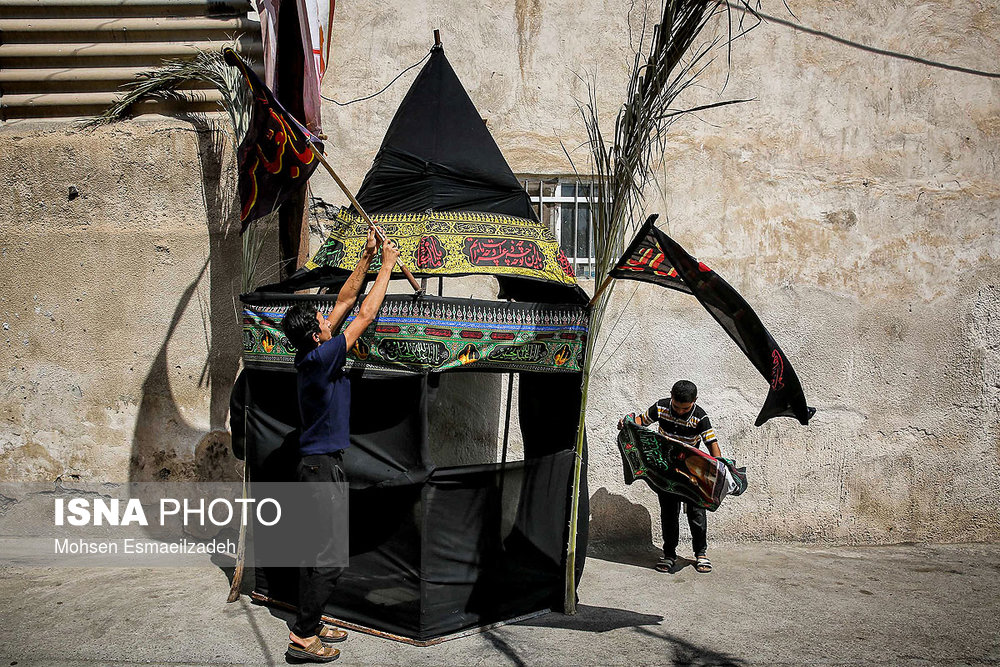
620,530
165,446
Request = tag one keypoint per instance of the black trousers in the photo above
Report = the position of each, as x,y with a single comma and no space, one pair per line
316,584
670,507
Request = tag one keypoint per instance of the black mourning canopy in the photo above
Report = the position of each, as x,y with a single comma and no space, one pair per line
437,545
438,155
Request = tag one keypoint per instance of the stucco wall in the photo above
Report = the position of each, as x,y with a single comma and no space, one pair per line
120,340
854,203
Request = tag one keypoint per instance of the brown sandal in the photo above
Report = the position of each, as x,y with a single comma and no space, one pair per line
331,635
314,651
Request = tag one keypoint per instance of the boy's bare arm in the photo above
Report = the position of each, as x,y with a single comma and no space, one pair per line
370,306
348,294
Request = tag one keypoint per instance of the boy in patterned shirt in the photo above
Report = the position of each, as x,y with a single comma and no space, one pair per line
680,420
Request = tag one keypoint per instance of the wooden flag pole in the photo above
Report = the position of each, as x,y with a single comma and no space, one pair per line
354,202
604,286
241,550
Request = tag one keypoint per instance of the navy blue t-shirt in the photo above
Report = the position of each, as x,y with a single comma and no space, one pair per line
324,398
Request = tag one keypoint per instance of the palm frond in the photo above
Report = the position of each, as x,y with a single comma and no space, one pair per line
163,83
668,60
255,238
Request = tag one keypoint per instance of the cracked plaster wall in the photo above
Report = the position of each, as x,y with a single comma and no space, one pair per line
854,203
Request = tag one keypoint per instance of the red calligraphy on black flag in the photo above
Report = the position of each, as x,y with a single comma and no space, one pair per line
275,157
655,257
644,260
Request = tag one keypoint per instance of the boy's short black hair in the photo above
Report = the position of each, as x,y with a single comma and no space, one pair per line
299,326
684,391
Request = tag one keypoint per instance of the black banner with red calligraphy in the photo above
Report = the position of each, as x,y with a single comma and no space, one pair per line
515,253
656,258
275,159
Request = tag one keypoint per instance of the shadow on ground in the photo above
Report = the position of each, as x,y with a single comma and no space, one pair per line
620,530
593,619
682,652
677,651
638,555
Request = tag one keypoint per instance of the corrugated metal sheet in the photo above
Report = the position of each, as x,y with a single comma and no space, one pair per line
67,58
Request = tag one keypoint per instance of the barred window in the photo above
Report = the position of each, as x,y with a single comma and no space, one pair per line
564,204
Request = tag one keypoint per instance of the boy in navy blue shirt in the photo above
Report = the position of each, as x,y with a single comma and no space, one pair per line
324,394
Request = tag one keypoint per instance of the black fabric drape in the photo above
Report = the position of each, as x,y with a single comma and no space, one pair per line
388,429
439,154
548,406
433,551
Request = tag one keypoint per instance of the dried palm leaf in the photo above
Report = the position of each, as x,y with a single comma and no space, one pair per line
668,61
164,82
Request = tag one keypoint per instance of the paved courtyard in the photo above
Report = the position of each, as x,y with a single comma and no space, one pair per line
765,604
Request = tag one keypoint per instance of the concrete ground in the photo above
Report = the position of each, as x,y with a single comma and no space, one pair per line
764,604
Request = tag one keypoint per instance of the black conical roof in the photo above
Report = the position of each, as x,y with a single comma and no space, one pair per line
438,154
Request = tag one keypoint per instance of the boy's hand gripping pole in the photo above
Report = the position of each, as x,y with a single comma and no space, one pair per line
361,211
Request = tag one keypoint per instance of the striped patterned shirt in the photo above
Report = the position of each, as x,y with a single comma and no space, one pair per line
692,429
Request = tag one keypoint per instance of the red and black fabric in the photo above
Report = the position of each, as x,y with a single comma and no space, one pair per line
275,158
656,258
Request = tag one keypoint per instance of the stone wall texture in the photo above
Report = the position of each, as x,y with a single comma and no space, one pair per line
853,201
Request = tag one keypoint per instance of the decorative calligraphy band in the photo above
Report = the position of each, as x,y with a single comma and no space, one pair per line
435,334
453,243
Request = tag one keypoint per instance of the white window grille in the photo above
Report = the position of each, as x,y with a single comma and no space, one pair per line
565,205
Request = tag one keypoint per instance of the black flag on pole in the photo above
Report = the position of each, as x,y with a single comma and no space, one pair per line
275,159
656,258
